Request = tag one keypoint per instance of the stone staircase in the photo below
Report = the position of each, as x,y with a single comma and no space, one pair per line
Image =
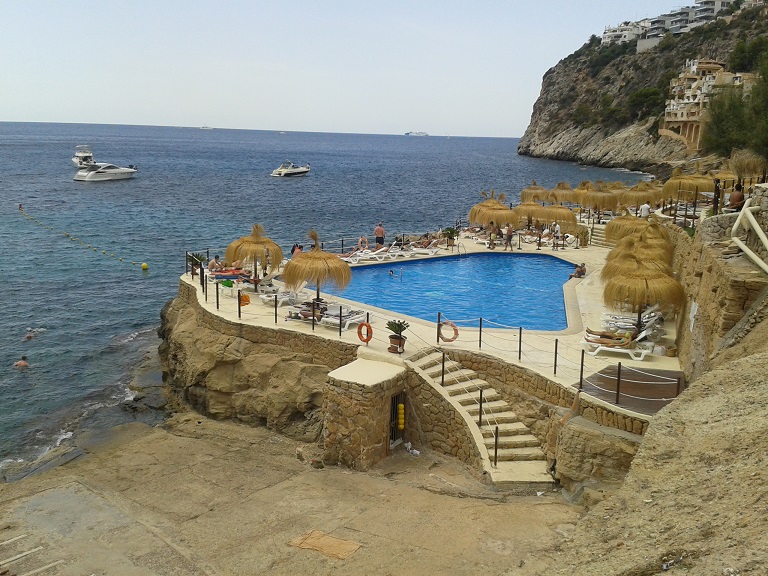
520,459
598,237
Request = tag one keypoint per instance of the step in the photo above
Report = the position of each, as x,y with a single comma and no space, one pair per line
493,418
522,474
437,367
473,397
491,407
428,360
505,429
452,377
514,441
467,386
516,454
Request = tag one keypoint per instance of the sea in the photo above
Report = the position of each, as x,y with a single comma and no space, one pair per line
75,298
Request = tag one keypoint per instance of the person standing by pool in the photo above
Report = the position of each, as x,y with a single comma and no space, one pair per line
508,237
378,234
645,210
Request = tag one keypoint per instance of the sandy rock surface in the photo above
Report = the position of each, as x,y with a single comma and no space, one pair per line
205,497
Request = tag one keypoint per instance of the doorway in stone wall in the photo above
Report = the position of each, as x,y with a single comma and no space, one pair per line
396,419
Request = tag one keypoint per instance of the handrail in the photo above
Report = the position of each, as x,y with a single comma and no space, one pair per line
751,224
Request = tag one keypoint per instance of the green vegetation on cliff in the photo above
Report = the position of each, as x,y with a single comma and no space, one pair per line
611,88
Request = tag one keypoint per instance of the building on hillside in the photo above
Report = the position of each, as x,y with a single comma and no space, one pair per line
659,26
706,10
747,4
624,32
686,109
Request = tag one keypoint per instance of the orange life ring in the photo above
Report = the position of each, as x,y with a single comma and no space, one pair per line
455,331
368,332
362,244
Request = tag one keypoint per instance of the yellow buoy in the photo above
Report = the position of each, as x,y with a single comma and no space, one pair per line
144,266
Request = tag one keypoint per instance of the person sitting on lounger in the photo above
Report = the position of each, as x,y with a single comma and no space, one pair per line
215,264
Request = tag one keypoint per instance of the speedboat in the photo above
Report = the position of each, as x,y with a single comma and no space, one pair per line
83,156
416,134
100,171
290,169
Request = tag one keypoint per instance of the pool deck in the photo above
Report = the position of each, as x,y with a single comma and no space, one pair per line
583,304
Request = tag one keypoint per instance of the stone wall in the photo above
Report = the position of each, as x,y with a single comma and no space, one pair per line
722,287
431,420
251,374
356,429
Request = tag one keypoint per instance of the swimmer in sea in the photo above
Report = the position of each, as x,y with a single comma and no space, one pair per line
21,363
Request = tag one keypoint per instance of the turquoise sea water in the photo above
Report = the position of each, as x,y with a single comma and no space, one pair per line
94,317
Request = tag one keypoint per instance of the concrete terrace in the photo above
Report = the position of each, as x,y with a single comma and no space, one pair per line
519,456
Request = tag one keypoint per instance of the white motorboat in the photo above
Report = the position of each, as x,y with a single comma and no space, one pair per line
416,134
291,169
100,171
83,156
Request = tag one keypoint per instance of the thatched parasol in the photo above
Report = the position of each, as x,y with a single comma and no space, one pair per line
255,247
623,226
563,216
531,211
747,164
491,202
600,200
629,263
317,266
641,192
635,291
564,193
535,192
499,216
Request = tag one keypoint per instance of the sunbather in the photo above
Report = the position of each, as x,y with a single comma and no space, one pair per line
605,334
624,342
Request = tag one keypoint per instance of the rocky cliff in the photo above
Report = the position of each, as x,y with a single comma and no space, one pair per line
603,105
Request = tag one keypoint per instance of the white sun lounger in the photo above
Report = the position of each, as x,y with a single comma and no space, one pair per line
348,317
595,348
430,250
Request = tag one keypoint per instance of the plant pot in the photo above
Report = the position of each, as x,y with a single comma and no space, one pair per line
396,344
451,242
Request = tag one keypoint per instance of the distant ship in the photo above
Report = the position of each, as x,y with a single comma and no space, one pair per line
205,128
416,134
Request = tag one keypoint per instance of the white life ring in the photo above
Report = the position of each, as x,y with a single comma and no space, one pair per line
362,244
455,331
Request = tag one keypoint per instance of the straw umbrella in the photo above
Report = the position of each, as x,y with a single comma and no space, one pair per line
535,192
317,266
624,226
600,200
563,192
491,202
629,263
639,193
255,247
499,216
531,211
563,216
637,290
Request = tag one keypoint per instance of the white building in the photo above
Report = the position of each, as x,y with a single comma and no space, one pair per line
625,32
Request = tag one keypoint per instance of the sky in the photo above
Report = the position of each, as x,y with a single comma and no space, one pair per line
444,67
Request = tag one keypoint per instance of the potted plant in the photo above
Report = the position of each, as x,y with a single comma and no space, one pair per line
450,234
396,339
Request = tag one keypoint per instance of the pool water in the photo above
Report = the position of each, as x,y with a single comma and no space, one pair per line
509,290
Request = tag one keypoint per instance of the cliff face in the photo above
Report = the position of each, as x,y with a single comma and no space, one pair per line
603,105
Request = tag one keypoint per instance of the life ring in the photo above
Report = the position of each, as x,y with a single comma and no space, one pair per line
368,332
442,336
362,244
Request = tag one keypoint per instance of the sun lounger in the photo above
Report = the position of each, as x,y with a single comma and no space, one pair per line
379,254
333,319
595,348
623,325
431,249
288,297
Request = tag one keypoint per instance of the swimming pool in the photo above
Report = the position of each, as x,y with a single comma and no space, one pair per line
508,289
